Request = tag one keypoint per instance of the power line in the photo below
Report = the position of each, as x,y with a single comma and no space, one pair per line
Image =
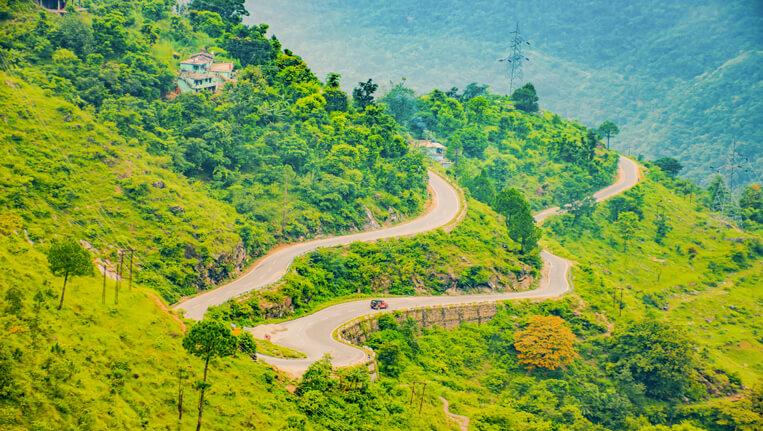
733,166
516,58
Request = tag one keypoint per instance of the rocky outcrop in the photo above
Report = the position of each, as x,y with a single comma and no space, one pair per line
371,223
210,272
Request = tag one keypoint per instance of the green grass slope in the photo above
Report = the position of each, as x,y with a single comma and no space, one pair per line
94,366
65,173
705,275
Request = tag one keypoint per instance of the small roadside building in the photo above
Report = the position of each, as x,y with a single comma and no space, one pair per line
200,72
434,150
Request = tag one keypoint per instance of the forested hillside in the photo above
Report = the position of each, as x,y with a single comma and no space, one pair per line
509,159
681,80
99,154
98,146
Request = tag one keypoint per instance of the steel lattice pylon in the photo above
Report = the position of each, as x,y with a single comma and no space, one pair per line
724,201
516,58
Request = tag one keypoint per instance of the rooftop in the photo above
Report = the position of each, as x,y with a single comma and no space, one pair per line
221,67
199,58
426,143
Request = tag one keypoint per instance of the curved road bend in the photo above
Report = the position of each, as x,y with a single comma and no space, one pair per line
627,177
446,206
313,334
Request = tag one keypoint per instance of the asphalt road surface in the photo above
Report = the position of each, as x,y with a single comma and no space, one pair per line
446,206
313,334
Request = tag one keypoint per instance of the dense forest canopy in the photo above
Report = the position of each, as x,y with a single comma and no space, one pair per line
682,79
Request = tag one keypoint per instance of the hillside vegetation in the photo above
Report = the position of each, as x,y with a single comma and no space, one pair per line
681,81
678,262
199,184
93,366
496,148
97,151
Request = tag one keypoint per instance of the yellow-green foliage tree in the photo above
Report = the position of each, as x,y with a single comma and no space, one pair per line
546,343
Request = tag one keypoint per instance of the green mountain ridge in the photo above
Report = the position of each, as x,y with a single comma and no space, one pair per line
91,151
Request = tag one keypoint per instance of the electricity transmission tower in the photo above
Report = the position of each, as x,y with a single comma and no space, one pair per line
516,58
732,167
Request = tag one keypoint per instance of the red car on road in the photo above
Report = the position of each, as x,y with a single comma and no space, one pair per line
378,304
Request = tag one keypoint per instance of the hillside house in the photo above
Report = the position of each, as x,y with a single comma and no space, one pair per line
200,72
434,150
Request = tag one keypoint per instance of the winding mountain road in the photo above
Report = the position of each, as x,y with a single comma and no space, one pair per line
313,334
446,206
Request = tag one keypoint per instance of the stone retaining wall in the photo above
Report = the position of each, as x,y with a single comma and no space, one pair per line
448,316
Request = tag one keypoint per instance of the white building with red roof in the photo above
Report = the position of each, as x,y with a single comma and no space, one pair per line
200,72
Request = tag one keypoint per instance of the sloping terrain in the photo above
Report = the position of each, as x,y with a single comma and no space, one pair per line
681,80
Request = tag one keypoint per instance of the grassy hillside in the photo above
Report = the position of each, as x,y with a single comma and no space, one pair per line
100,366
65,173
100,148
95,148
704,275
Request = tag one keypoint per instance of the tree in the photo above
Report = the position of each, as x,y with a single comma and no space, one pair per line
155,10
182,374
669,165
588,146
210,23
255,51
546,343
509,202
247,345
526,98
522,229
657,355
68,258
207,340
75,34
332,80
473,140
482,188
401,102
230,11
626,225
336,99
317,377
363,95
609,130
110,34
390,354
661,223
454,149
751,203
471,91
519,220
148,32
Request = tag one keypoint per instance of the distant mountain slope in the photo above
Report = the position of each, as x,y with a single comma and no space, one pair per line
643,65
